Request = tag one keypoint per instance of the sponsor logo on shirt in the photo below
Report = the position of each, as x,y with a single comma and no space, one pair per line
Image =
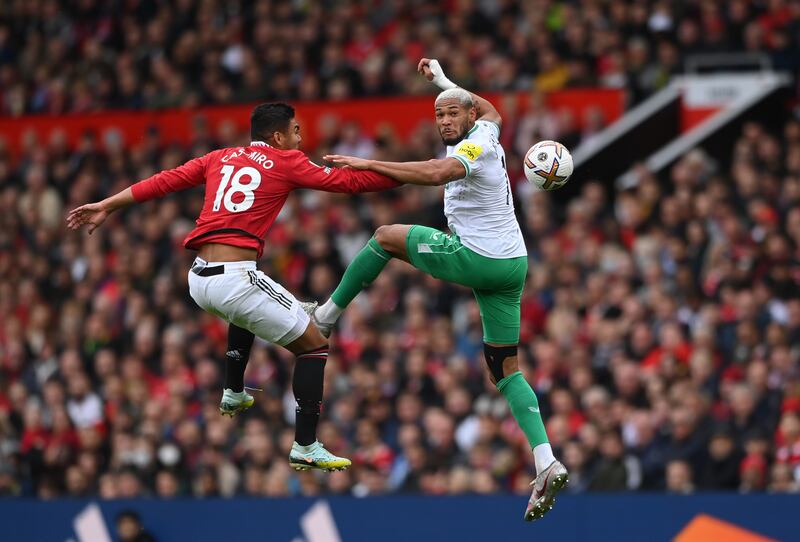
470,150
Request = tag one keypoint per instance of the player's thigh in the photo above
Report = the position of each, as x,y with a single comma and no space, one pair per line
500,306
202,291
500,316
253,301
440,255
271,311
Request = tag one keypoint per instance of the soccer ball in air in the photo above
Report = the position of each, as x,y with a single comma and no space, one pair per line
548,165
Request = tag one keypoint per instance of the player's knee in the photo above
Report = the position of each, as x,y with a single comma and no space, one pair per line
496,357
311,339
317,339
391,239
383,235
321,342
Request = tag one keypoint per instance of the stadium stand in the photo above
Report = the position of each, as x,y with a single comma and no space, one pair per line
59,57
660,322
659,329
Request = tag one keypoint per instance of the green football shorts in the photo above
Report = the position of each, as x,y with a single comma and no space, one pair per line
496,283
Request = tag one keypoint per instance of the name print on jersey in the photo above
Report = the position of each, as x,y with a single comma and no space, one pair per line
261,159
256,156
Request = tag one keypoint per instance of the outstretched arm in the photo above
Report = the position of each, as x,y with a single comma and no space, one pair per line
306,174
428,173
192,173
95,214
433,71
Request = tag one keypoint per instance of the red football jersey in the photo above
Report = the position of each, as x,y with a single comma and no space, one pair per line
246,188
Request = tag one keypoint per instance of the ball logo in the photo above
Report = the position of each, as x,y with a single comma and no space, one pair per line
542,156
551,176
555,144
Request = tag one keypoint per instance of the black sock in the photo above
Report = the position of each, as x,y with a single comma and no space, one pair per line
239,343
307,383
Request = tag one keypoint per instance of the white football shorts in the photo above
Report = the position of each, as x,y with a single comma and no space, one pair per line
246,297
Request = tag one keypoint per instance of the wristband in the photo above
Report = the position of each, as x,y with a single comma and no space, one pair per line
439,78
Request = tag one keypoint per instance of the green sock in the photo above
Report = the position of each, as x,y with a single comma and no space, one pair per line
524,407
361,272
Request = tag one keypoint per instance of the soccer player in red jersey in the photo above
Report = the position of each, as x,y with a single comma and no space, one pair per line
246,188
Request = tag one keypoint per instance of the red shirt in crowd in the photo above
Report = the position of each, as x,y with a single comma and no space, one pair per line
246,188
681,353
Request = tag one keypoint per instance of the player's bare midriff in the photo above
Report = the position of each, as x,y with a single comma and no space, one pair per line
218,252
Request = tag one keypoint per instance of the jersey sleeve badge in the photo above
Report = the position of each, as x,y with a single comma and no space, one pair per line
469,150
326,169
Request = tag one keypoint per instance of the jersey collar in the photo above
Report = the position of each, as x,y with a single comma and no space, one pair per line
258,144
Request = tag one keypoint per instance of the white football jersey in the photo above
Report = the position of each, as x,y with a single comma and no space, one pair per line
479,208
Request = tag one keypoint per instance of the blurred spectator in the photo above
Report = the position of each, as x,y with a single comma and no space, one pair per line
660,322
130,528
782,479
679,477
721,471
56,58
353,142
614,471
167,485
753,474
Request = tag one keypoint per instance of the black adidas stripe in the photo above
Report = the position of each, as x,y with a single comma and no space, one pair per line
264,287
267,289
275,294
277,297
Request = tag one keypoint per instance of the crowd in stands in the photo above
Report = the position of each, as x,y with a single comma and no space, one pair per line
660,324
660,330
87,55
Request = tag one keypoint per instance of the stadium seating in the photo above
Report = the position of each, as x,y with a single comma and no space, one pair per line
661,323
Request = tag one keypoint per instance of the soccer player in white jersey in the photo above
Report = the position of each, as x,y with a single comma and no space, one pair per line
484,251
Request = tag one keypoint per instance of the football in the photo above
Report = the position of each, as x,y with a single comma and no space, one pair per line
548,165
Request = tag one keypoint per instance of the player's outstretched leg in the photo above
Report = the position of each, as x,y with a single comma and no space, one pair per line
551,476
387,243
234,398
307,452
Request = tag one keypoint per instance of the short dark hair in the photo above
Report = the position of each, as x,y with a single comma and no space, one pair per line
266,119
128,514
